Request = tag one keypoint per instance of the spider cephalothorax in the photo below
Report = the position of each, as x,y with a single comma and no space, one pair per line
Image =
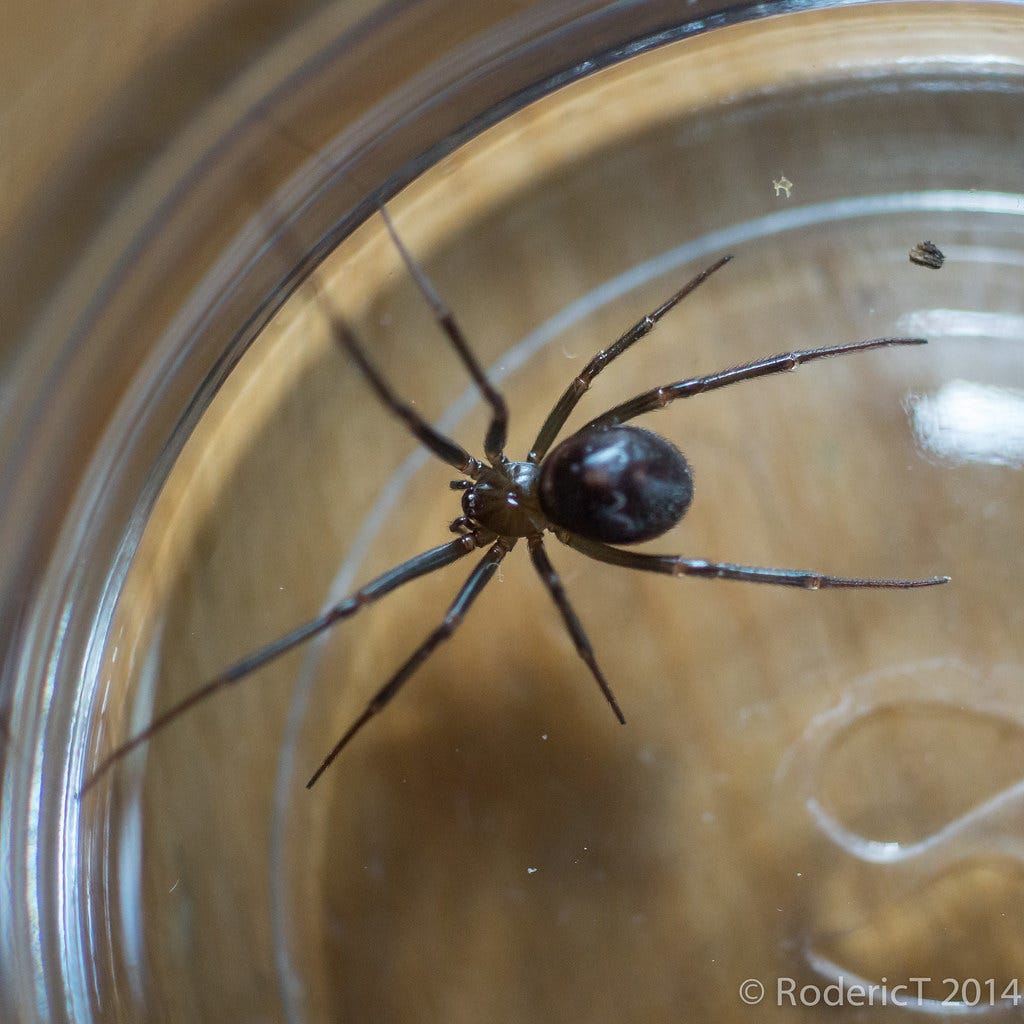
501,502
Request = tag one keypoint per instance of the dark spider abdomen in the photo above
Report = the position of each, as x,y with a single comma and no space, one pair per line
620,484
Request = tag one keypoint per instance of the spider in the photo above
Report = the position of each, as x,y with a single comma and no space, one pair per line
608,484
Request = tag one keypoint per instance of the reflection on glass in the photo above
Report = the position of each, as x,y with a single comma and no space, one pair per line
968,422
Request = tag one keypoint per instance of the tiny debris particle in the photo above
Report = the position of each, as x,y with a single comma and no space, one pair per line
531,871
781,185
927,254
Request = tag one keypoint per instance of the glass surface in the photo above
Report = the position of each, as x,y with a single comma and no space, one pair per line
811,790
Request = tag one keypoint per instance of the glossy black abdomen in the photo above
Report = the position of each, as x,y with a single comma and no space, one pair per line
620,484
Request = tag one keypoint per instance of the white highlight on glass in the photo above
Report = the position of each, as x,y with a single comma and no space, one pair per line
968,422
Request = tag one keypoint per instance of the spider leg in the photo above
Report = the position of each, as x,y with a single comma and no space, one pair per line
421,565
658,398
581,384
439,444
468,593
497,432
675,565
547,573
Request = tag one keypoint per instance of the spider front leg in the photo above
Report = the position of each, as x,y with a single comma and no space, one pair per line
676,565
497,432
433,440
658,398
580,384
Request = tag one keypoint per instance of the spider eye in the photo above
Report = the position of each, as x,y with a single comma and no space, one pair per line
620,485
